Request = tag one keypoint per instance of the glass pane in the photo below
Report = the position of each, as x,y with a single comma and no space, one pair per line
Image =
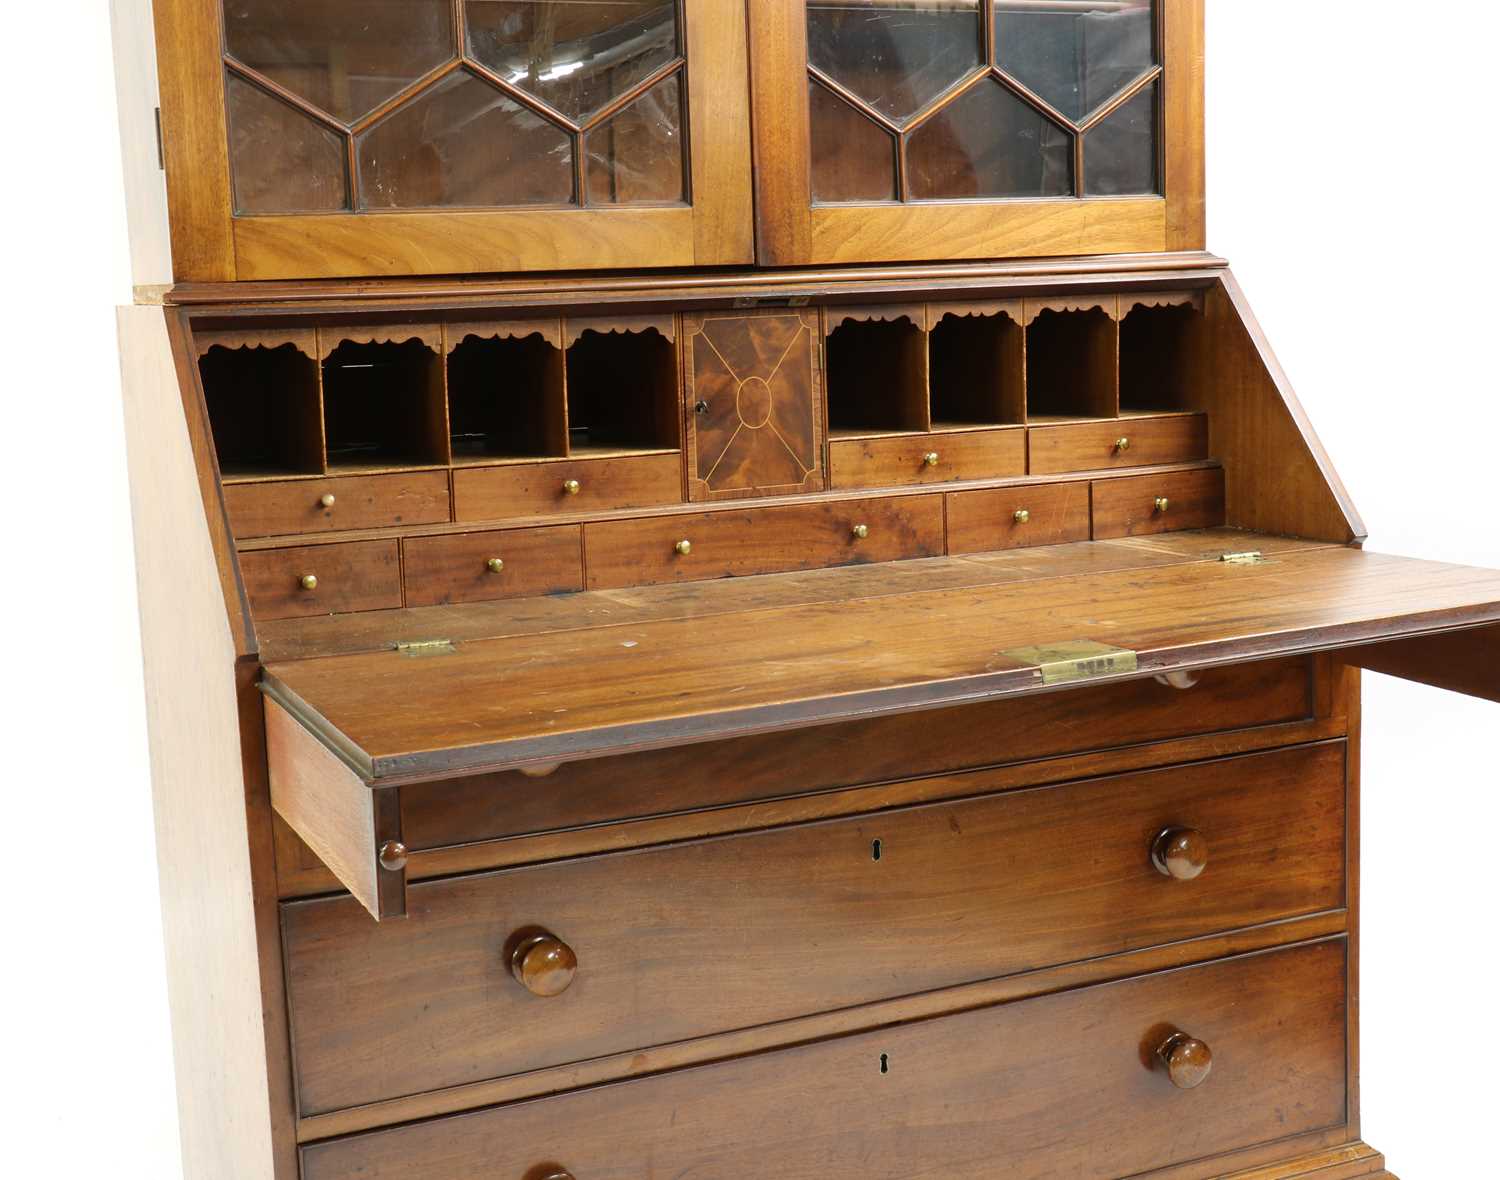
989,143
575,55
636,156
282,161
343,56
1119,155
897,55
464,143
853,159
1076,55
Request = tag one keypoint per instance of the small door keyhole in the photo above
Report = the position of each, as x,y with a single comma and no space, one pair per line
701,407
876,849
885,1063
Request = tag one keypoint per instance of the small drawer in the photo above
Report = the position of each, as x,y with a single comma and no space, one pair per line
1072,1084
567,485
1126,442
322,579
479,567
940,457
1012,518
1140,505
333,505
687,940
726,544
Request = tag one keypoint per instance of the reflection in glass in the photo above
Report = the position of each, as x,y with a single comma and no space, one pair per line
853,159
897,55
282,161
1119,155
1077,56
636,156
344,57
575,55
464,143
989,143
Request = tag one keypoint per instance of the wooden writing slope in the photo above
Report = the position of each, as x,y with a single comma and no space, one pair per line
730,592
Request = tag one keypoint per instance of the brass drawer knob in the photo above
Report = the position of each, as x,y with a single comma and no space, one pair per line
558,1176
682,548
930,458
544,965
1188,1061
571,487
1023,516
860,531
1162,503
1122,444
393,856
495,565
328,500
1180,853
308,581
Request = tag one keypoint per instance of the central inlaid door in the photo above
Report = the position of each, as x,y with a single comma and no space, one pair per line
431,136
933,129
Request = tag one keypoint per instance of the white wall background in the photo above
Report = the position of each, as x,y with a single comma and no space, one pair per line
1352,184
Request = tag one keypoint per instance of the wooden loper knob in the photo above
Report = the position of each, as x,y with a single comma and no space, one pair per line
1188,1061
1180,853
544,965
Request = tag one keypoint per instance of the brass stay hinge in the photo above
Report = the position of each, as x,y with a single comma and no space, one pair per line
422,649
1253,557
1081,659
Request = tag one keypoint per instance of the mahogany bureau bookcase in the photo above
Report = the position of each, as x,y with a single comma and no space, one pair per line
730,593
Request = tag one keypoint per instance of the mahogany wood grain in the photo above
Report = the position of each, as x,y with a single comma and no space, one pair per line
1466,662
696,939
1059,1085
1043,514
540,489
1184,160
763,540
461,568
1150,504
364,576
903,459
720,774
358,502
604,690
1089,446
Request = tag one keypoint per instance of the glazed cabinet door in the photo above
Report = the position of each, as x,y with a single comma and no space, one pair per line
907,130
325,138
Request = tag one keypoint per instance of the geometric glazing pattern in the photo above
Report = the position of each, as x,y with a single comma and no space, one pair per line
455,103
983,99
754,404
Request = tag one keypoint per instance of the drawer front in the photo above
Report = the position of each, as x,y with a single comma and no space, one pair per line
1065,1085
332,505
538,489
463,568
1012,518
761,541
721,774
904,459
1140,505
354,577
688,940
1095,446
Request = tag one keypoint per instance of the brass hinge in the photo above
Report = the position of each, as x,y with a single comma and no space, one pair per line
427,647
1253,557
1081,659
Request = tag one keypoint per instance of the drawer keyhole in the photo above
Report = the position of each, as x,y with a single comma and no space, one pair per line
876,849
885,1063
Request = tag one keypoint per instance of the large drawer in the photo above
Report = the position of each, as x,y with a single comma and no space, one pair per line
693,939
722,774
1068,1085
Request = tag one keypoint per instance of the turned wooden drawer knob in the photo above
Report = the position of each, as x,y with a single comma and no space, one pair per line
682,548
1188,1061
1023,516
1162,503
571,487
930,458
544,965
495,565
308,581
328,500
1180,853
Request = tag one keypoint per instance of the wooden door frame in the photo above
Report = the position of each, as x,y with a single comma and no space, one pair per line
211,244
791,231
